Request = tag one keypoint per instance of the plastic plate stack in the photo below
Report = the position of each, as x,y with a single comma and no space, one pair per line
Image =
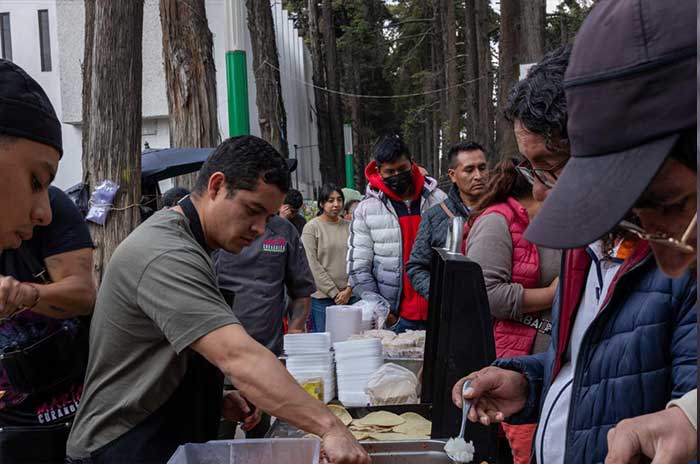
309,357
356,361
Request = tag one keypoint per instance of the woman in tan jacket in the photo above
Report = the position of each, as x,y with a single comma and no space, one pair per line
325,240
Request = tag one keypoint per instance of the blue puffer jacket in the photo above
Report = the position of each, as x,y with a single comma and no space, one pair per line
637,354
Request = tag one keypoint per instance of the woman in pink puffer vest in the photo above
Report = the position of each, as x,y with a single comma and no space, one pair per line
520,278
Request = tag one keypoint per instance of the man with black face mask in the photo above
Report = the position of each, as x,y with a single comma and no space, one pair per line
384,228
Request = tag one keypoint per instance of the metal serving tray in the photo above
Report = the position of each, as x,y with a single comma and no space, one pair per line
407,452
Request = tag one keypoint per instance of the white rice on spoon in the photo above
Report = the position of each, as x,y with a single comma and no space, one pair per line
459,450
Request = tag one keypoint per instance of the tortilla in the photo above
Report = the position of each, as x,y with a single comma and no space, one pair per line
369,428
311,435
393,436
380,418
341,413
360,435
415,425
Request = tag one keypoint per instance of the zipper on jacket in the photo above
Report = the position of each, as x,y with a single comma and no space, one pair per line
387,204
585,348
402,265
549,414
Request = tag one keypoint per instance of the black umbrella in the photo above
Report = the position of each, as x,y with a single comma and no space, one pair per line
161,164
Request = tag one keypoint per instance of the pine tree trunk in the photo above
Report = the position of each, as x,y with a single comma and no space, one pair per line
190,77
428,98
521,42
532,33
114,144
471,70
452,100
271,112
508,71
478,74
486,133
438,74
335,108
328,159
89,41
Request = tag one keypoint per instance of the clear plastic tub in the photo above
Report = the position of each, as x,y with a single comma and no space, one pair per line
262,451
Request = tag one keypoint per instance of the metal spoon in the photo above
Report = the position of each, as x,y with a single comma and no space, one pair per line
466,406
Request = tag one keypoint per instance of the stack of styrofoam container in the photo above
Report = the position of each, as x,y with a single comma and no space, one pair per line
342,321
356,361
308,357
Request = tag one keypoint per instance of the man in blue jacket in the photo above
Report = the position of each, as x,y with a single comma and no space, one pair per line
624,339
469,173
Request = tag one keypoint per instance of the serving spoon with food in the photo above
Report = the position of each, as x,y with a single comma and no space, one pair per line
458,449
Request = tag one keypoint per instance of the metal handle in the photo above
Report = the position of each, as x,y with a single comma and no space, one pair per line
466,406
453,242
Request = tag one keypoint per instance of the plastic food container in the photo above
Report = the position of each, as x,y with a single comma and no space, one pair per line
262,451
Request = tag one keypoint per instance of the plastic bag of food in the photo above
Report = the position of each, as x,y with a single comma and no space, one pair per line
101,202
392,384
410,344
377,304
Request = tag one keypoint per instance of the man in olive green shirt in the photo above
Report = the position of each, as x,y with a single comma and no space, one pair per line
162,335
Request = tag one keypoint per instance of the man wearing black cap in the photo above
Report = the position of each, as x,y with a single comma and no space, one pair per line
30,148
647,136
645,73
44,283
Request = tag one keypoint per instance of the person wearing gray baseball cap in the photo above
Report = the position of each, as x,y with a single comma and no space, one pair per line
30,148
621,328
639,153
632,132
664,199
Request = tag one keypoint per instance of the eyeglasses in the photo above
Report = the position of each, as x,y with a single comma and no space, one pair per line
547,177
662,238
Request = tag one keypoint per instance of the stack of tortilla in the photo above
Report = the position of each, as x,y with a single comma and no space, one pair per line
385,426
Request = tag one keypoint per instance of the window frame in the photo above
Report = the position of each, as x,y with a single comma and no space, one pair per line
5,36
44,41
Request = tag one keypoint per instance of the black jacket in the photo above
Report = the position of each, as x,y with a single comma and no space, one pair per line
432,233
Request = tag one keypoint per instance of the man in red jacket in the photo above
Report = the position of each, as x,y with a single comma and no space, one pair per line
384,228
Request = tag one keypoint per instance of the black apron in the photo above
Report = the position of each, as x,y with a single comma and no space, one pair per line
44,370
191,415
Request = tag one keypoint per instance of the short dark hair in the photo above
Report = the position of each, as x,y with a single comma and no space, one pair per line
390,148
348,205
293,198
244,160
460,147
171,196
325,193
538,101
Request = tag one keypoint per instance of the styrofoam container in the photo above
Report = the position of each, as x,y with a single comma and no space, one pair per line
354,345
353,399
343,321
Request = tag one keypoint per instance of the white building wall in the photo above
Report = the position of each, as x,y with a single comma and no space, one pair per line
64,83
